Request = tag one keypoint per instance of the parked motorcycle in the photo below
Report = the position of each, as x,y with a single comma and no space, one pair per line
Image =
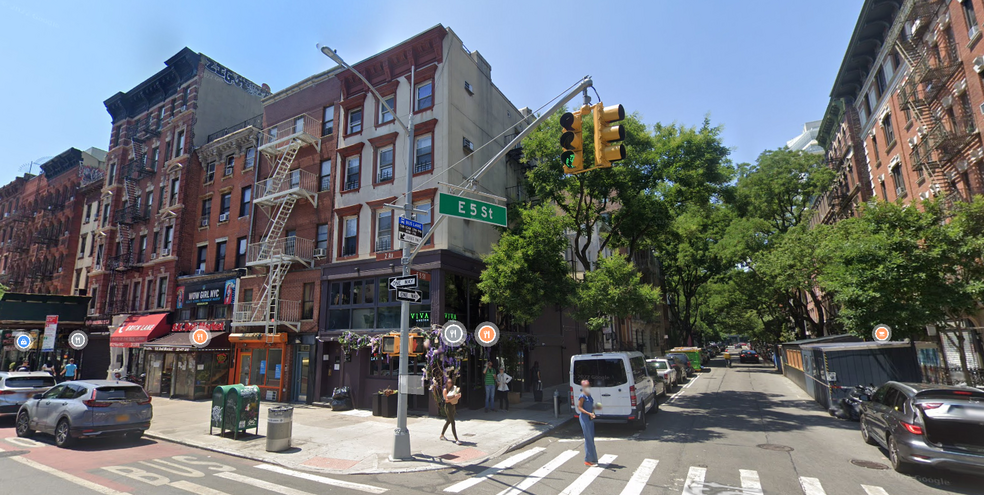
850,407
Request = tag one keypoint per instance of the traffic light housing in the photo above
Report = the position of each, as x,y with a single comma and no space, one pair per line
605,134
571,140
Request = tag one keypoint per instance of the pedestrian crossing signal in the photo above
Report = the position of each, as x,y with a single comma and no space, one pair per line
571,140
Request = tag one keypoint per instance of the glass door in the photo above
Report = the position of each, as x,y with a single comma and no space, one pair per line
244,365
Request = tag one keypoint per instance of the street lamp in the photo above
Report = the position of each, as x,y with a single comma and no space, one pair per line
401,436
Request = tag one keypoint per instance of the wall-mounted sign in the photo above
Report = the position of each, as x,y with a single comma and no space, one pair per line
190,326
214,292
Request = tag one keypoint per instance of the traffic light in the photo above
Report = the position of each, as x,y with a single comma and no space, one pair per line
391,345
606,150
570,140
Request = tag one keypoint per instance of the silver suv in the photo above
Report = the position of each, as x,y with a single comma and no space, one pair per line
16,387
88,408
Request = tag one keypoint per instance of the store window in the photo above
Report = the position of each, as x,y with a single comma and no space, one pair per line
368,304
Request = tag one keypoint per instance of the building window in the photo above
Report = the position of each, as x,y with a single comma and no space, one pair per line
328,121
352,169
155,157
202,259
898,181
970,17
350,237
248,295
111,176
220,256
324,178
88,213
889,130
425,218
168,238
230,166
241,244
307,303
149,202
384,230
423,161
367,304
881,82
82,246
209,172
225,203
105,219
201,312
141,249
321,242
385,116
99,255
206,211
355,121
874,148
161,292
157,241
425,95
179,144
385,161
245,200
175,182
250,158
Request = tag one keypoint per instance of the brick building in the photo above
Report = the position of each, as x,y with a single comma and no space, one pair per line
149,217
15,241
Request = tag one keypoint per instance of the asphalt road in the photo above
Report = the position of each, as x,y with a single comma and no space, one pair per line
739,431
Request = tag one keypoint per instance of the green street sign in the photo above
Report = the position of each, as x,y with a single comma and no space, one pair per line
470,209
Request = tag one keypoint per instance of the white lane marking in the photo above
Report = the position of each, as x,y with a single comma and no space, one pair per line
541,473
105,490
874,490
322,479
684,387
266,485
811,486
599,439
750,483
695,481
582,482
195,488
492,471
640,477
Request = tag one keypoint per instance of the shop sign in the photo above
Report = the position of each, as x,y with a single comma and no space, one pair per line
190,326
216,292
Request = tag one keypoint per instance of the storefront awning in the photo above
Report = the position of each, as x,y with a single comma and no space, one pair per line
181,342
139,329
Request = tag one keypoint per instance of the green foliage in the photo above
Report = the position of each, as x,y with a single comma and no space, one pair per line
780,187
526,269
614,290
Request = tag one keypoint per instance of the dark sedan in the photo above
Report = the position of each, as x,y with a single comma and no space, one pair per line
749,357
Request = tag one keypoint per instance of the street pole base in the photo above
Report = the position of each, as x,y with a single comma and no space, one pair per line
401,446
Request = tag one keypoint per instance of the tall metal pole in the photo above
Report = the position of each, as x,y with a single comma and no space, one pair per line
401,438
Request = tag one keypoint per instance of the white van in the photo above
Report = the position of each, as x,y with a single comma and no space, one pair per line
620,383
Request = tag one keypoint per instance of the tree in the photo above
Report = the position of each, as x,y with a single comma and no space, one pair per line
781,186
614,290
526,269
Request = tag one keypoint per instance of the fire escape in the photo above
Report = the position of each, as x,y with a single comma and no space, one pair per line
276,196
131,210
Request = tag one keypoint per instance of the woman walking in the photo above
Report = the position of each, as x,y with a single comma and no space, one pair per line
451,396
585,413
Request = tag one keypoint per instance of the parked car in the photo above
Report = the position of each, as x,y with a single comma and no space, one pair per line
926,424
622,386
749,357
17,387
81,409
678,366
684,360
659,382
663,368
694,355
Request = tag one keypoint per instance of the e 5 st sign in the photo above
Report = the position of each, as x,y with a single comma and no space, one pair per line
471,209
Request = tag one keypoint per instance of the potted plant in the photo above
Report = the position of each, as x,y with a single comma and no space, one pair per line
377,404
388,405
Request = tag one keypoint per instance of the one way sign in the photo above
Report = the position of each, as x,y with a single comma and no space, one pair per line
408,282
408,295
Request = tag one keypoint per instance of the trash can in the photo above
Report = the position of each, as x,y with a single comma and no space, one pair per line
280,422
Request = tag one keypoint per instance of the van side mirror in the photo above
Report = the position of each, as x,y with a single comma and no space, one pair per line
36,397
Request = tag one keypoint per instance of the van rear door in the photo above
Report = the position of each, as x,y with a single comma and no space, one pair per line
609,382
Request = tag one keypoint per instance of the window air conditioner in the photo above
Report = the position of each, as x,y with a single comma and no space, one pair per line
204,222
320,253
153,256
979,64
468,145
165,252
199,271
881,178
224,217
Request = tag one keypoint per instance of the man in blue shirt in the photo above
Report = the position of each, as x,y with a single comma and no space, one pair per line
70,370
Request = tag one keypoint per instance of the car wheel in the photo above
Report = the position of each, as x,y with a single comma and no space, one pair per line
63,435
133,436
866,434
24,425
899,465
641,422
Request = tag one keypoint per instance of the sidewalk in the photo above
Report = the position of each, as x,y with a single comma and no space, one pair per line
355,442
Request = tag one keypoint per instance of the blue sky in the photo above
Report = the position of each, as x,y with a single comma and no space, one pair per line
760,68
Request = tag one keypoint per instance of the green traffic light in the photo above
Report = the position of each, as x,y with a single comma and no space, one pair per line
568,159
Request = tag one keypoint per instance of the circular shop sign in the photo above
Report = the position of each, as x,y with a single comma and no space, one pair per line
487,334
453,334
78,340
200,337
882,333
23,341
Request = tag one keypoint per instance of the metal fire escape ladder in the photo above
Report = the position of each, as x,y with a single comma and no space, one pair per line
123,260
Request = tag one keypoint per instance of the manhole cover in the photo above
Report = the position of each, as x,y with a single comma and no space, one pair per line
775,447
12,453
869,464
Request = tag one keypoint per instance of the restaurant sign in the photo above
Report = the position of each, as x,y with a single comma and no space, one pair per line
190,326
214,292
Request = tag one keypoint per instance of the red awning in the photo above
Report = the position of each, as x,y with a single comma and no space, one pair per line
139,329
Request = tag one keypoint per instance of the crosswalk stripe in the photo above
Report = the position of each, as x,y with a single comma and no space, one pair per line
498,468
811,486
874,490
640,477
750,483
589,475
541,473
322,479
266,485
195,488
695,481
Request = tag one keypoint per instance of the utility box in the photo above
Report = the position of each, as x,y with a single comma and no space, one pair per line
242,405
833,369
218,417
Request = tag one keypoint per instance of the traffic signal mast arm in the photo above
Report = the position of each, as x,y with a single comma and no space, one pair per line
583,85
